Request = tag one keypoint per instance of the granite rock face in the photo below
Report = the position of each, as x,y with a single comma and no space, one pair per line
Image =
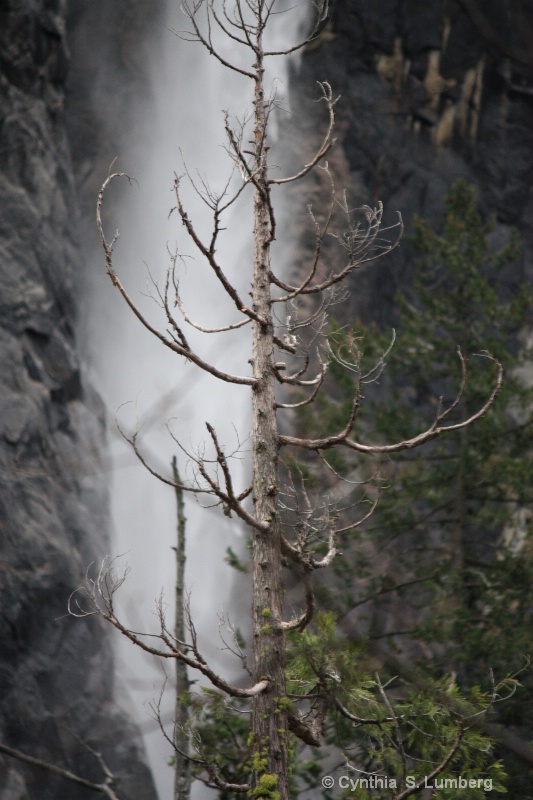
430,92
56,673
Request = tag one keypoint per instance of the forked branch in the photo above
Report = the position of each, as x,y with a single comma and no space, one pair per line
96,598
173,344
435,429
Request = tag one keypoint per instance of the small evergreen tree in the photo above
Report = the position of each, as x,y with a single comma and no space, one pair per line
454,523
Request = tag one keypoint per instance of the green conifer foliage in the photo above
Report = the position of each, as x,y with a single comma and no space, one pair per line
471,492
449,547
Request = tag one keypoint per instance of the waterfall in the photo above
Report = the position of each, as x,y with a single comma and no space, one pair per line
146,385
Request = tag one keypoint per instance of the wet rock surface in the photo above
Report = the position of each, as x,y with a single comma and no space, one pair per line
56,673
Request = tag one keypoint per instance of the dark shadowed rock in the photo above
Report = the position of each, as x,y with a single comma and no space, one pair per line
430,92
56,673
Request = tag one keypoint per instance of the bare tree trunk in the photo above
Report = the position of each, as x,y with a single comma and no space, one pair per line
182,770
269,716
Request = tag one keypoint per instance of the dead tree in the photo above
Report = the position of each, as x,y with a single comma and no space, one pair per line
281,358
182,768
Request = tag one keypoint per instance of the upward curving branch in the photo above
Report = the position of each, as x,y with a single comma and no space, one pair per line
209,253
327,143
179,346
96,598
434,430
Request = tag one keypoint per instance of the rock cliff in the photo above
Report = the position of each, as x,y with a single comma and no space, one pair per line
429,92
56,673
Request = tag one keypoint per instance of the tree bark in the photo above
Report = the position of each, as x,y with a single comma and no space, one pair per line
269,716
182,769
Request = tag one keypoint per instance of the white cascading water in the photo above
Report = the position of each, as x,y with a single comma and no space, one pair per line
190,91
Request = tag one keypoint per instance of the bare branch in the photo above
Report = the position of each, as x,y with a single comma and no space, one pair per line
320,233
105,788
209,253
330,555
236,649
300,556
132,440
318,383
291,379
363,242
253,175
228,497
171,344
301,622
438,769
327,143
355,366
363,246
398,733
198,36
201,328
430,433
322,13
354,717
98,594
